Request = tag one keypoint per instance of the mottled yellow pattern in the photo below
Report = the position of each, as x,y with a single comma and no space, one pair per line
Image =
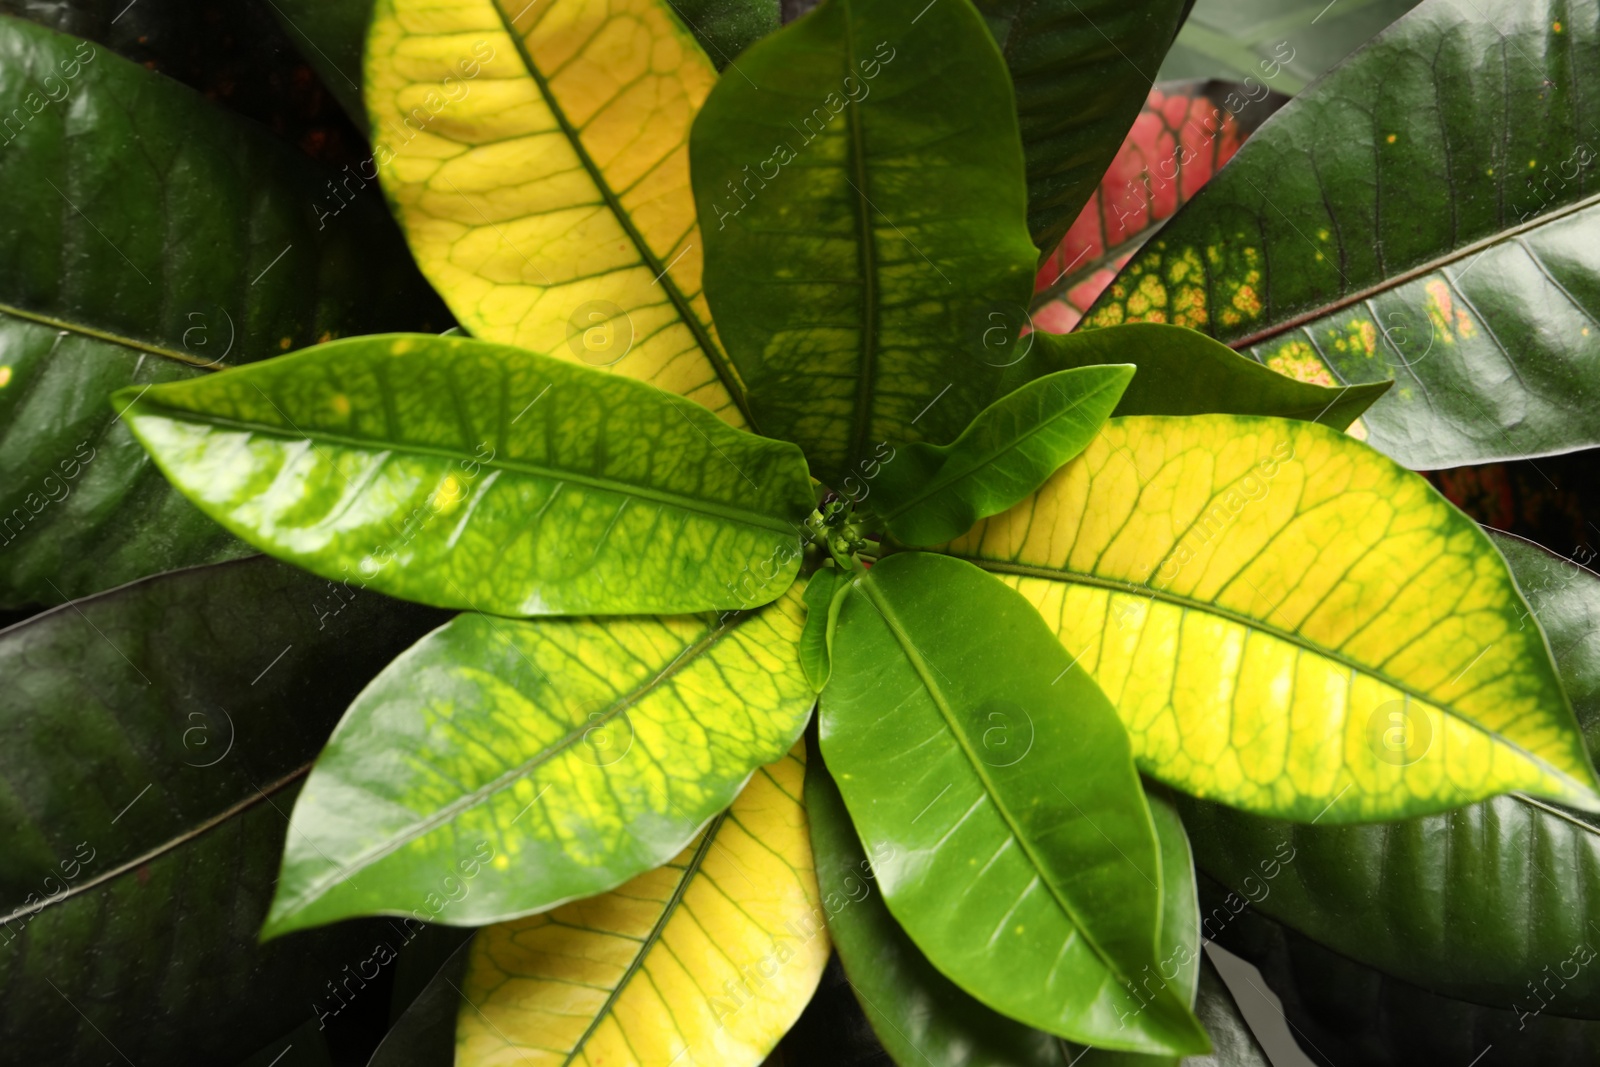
537,156
705,961
1290,622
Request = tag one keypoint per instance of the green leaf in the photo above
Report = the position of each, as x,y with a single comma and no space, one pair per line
1393,256
531,763
928,494
1081,70
726,28
437,469
155,736
994,784
1259,597
823,590
150,234
329,34
1284,44
1445,902
920,1015
1182,372
1350,1014
863,216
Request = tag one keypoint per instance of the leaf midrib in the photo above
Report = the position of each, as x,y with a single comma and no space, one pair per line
1394,281
867,363
935,485
656,930
713,353
1026,570
912,654
165,847
315,888
111,338
725,512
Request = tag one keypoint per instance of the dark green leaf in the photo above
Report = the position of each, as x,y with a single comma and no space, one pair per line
822,611
1342,1013
330,34
1183,372
994,785
1284,44
726,28
1472,903
864,220
437,469
499,768
1420,216
155,736
425,1036
1081,70
920,1015
929,494
149,234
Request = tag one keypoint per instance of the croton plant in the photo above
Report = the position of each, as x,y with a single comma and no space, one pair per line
752,571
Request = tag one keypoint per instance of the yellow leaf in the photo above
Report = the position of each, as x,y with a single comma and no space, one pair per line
705,961
1290,622
537,156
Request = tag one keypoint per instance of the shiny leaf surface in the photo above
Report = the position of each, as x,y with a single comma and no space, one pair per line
1080,68
863,213
1344,1013
149,234
921,1016
707,959
929,494
1183,372
500,768
1285,44
155,736
1261,597
822,612
471,475
1473,903
537,157
1184,134
994,783
1473,284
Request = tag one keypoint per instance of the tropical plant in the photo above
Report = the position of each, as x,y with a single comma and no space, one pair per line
745,575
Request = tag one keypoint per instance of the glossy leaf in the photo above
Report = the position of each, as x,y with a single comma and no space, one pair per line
500,768
1342,1012
155,737
822,612
1260,597
1473,903
1284,44
537,157
929,494
863,212
437,469
992,781
1472,284
1184,134
149,234
920,1016
1080,68
708,959
1182,372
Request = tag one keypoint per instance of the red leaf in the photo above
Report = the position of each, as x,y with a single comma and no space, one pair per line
1184,135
